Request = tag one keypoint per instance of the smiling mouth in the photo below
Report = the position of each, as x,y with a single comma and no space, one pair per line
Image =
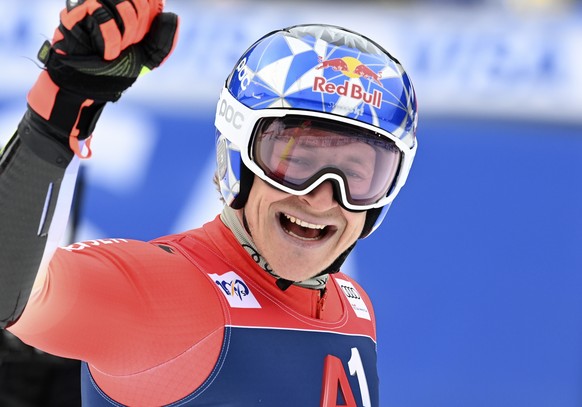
301,229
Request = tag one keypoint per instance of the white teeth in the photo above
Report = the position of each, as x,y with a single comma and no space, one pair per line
303,223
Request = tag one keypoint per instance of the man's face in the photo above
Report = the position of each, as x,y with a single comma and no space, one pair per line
299,236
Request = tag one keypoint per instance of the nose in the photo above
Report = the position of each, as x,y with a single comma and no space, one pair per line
322,197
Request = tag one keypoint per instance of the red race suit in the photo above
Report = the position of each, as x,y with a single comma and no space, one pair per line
192,320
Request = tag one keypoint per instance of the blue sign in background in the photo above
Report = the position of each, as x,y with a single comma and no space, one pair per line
476,273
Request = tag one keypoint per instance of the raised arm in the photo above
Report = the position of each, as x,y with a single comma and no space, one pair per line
98,50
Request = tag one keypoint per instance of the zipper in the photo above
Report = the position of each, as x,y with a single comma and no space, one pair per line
320,305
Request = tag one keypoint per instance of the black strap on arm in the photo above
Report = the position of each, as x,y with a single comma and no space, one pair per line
32,167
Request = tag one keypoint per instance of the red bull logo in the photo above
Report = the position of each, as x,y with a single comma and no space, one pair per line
352,68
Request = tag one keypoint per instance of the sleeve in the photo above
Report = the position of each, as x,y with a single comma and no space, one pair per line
121,305
37,176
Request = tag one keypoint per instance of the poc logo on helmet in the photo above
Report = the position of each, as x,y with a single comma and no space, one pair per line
235,118
244,74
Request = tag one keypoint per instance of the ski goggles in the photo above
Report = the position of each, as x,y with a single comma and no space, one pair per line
297,152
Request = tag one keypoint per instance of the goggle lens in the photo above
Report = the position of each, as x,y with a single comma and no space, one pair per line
297,151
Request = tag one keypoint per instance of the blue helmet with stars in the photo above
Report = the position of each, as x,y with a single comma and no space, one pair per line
320,72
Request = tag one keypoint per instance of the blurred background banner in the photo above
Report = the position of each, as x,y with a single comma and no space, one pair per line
476,274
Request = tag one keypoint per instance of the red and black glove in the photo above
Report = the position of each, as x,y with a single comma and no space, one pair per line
98,51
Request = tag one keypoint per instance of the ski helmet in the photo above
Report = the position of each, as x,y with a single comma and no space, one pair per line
317,77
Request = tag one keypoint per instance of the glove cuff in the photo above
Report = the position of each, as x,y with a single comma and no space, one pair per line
65,111
71,116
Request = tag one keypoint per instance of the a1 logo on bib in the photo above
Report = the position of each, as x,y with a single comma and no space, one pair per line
354,298
236,291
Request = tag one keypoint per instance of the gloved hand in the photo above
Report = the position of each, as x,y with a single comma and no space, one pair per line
98,51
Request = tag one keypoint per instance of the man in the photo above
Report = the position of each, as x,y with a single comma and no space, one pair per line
315,137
